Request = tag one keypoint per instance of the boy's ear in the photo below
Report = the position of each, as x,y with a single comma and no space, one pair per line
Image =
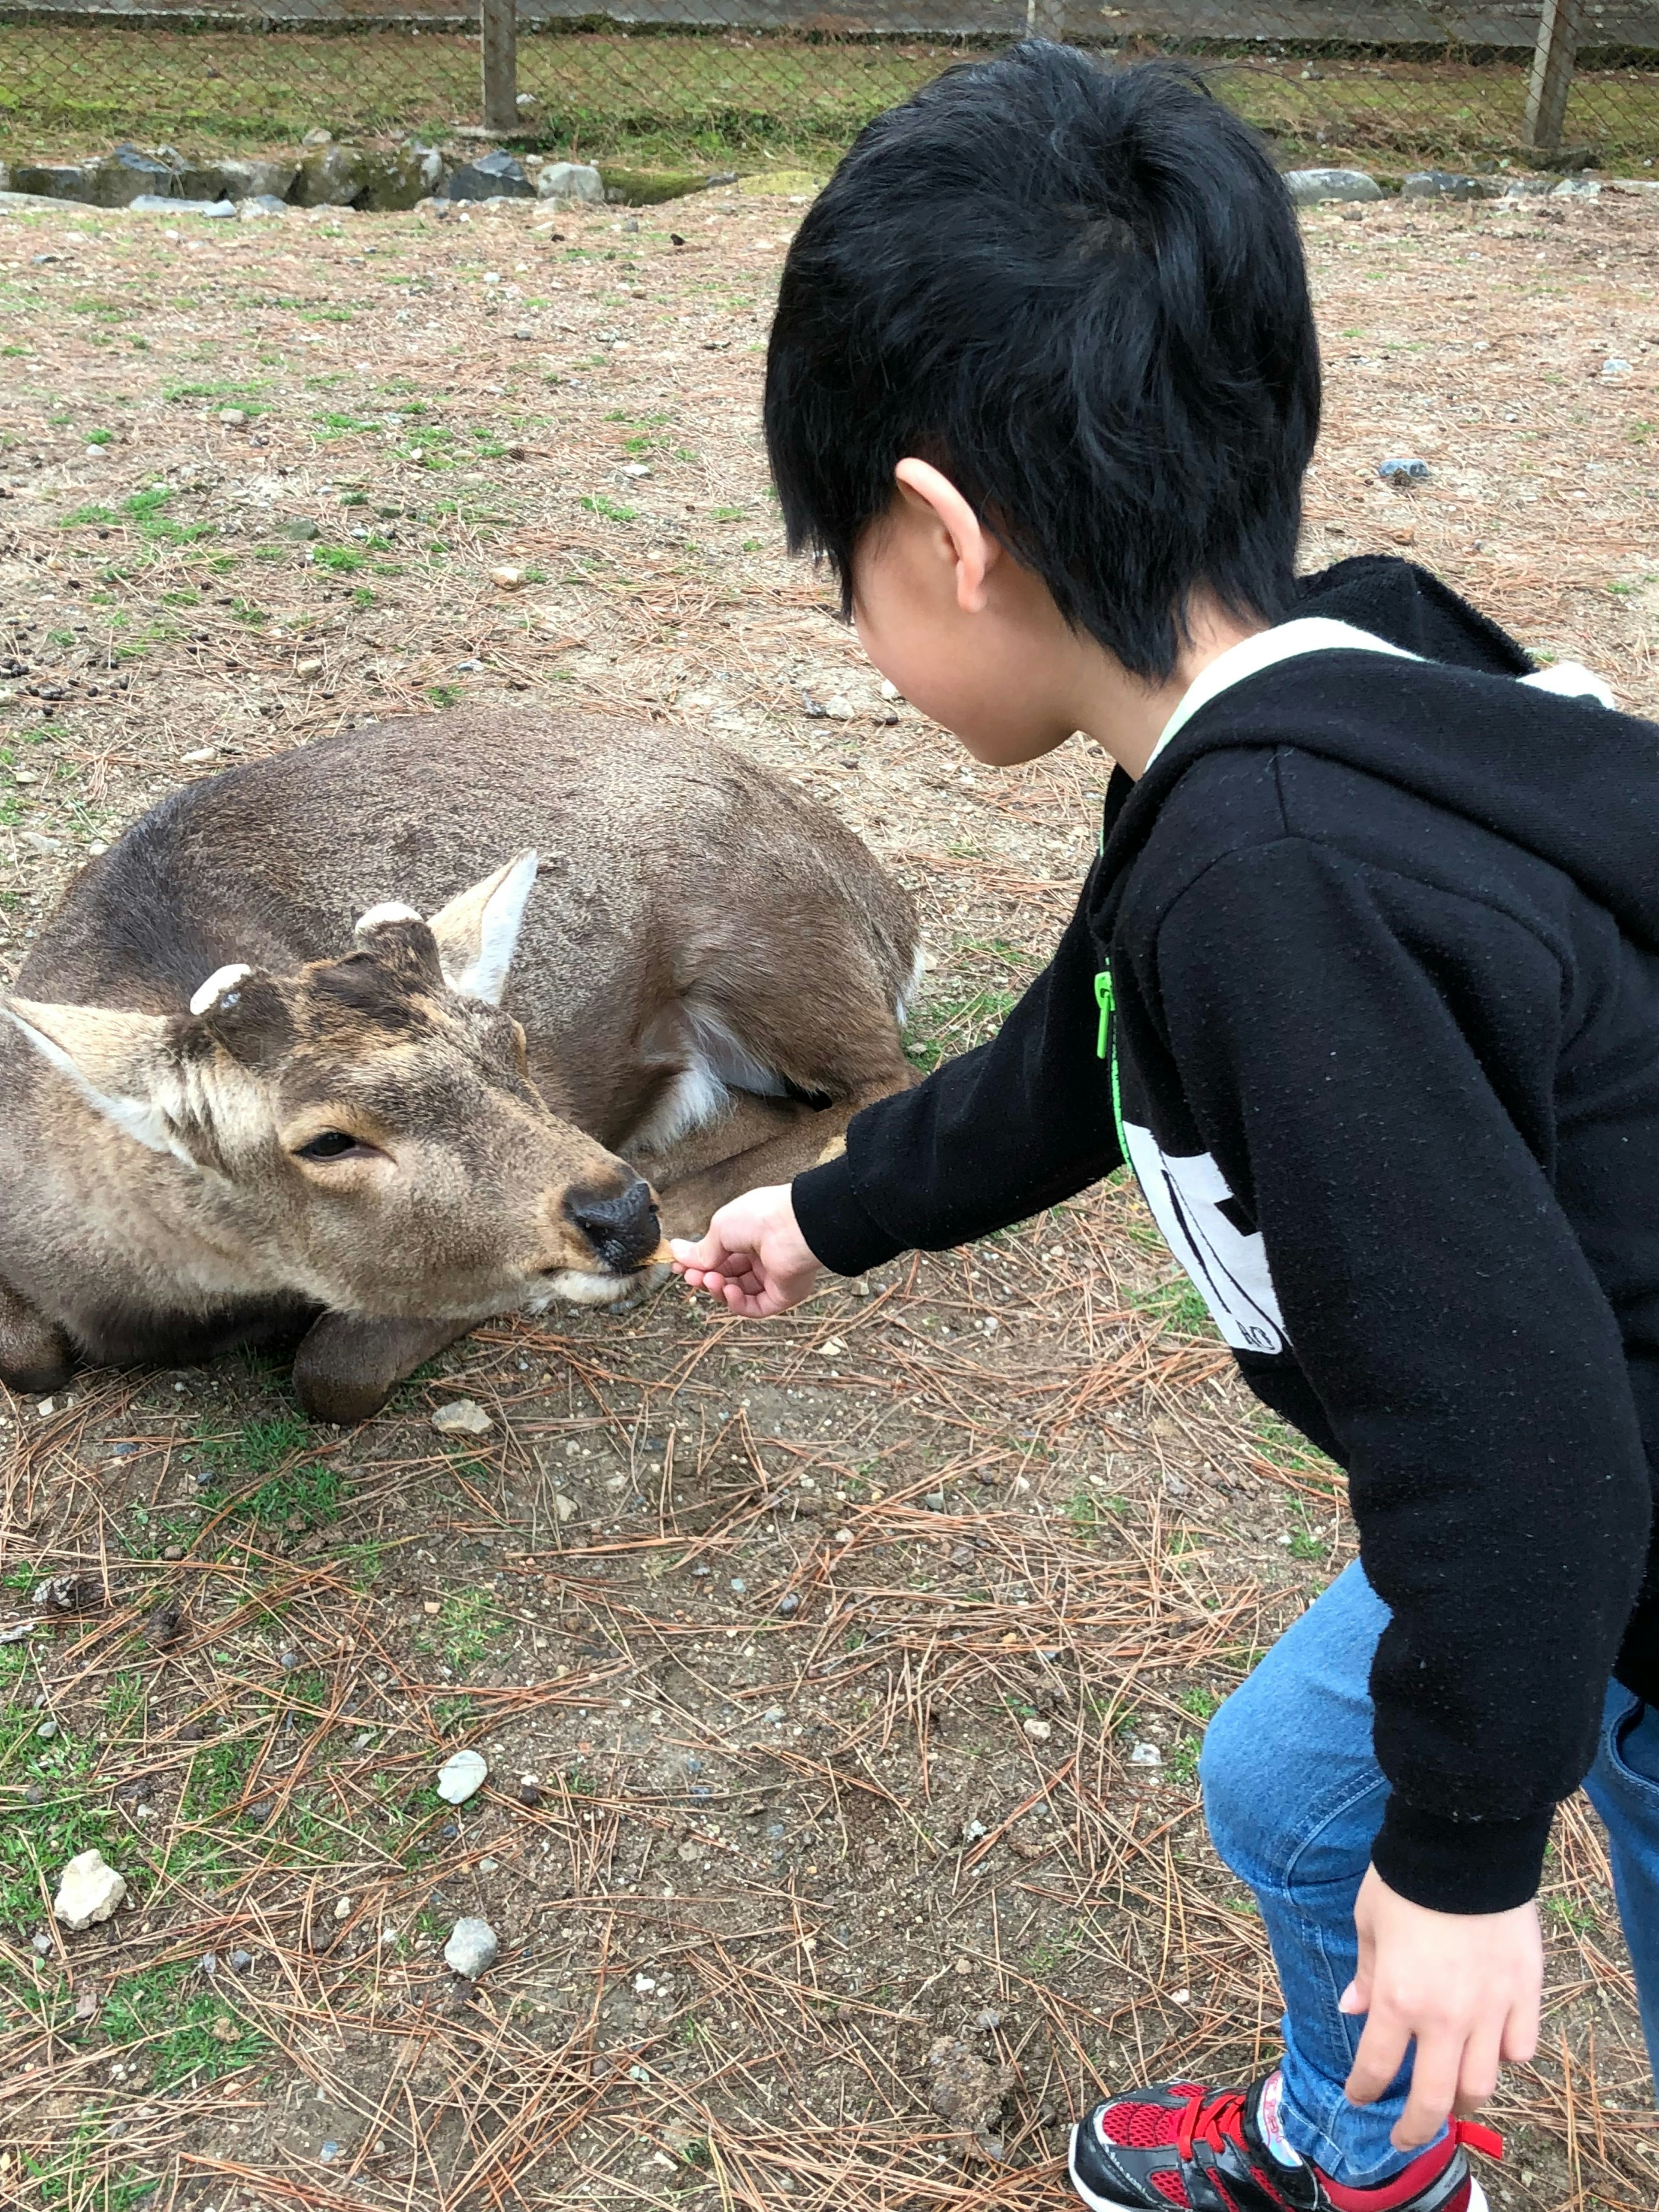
963,539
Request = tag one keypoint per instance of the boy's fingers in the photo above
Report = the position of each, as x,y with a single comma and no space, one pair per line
1381,2054
1520,2033
1477,2077
1433,2091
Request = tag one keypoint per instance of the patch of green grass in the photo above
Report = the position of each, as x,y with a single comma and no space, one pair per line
1200,1701
185,2027
336,425
1178,1308
1181,1760
341,560
612,510
444,694
81,2173
463,1630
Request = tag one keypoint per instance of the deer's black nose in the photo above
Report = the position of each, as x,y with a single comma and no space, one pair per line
621,1227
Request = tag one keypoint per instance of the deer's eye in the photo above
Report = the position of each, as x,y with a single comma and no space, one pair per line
329,1145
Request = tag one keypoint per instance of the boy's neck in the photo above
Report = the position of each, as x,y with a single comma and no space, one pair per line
1124,716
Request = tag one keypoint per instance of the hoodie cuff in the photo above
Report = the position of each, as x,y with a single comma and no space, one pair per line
1461,1866
833,1219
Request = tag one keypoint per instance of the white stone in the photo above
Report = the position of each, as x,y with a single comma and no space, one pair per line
1039,1731
1307,187
462,1775
569,180
87,1891
465,1417
472,1946
1145,1754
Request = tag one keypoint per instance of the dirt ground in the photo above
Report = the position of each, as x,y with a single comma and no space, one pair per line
861,1658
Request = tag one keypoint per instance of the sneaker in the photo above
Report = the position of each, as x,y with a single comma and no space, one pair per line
1202,2150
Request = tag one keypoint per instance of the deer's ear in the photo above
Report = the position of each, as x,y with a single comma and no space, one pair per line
125,1065
477,932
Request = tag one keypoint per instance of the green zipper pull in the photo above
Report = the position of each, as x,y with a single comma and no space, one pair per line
1103,1000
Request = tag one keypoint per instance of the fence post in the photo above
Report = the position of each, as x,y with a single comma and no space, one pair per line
1552,73
499,28
1046,19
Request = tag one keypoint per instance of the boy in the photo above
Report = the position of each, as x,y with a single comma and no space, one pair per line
1364,986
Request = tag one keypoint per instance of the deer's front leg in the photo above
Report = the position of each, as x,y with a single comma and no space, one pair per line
349,1365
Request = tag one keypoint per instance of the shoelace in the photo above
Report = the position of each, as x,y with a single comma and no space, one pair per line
1215,2122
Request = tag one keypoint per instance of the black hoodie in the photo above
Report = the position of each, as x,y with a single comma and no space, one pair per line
1365,984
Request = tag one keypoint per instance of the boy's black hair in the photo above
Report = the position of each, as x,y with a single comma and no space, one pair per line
1080,292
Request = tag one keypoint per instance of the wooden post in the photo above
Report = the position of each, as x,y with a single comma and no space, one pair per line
500,27
1046,19
1552,73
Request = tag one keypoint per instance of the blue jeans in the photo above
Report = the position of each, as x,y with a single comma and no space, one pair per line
1294,1796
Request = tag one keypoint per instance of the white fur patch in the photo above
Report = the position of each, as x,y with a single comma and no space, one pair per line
485,975
578,1287
910,992
388,910
217,984
695,1098
140,1118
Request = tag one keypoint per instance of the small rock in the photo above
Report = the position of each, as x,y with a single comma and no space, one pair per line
317,137
490,1866
88,1890
1145,1754
240,1961
86,2006
209,1963
1039,1731
1307,187
1576,188
463,1417
166,1624
172,1551
564,1509
191,1732
68,1593
988,2022
40,1943
1446,185
37,842
158,204
343,1908
1613,368
47,1731
789,1603
462,1775
300,526
1404,469
507,579
310,667
570,181
329,2153
964,2088
471,1947
530,1792
839,708
492,176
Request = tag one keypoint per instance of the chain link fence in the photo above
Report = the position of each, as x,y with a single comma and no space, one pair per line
1390,85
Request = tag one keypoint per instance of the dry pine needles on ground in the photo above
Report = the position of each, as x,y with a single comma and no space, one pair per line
861,1659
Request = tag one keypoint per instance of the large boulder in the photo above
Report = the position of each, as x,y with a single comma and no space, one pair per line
569,180
237,179
330,176
402,178
122,176
492,176
1448,184
54,180
1307,187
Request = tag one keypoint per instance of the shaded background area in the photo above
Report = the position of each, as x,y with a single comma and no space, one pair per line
1393,86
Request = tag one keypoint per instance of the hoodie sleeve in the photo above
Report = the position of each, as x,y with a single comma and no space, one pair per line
1372,1061
988,1138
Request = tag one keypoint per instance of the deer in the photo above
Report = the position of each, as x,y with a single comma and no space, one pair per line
352,1047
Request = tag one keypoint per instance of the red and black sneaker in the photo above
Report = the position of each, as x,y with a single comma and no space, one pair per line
1203,2150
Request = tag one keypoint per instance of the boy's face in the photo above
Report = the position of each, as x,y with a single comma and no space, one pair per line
969,636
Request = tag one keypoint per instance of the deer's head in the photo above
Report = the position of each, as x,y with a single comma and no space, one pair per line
369,1124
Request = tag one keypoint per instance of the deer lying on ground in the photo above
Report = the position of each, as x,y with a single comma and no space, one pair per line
229,1116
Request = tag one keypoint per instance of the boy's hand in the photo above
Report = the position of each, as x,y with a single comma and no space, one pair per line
753,1255
1465,1985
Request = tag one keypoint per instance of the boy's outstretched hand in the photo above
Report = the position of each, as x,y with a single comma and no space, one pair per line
753,1255
1465,1985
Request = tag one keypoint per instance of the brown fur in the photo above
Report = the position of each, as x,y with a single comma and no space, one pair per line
689,904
